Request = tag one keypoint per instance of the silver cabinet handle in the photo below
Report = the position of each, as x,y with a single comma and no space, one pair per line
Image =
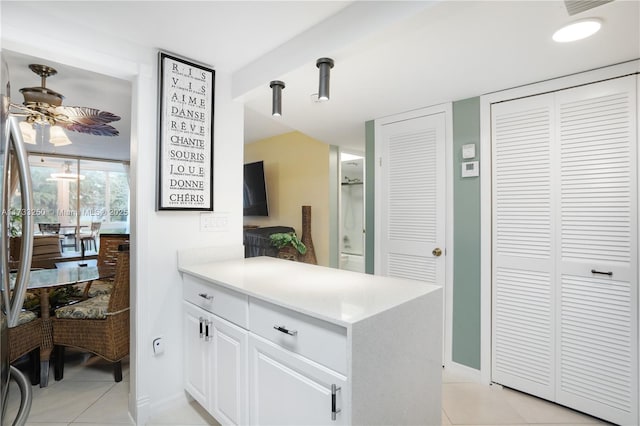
205,296
206,330
334,410
283,329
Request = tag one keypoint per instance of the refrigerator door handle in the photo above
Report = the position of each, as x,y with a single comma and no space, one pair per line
26,249
26,396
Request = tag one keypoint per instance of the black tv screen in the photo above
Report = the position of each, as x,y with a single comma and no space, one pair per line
254,193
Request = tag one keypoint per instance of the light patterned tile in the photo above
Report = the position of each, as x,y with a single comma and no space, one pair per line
537,410
64,401
111,408
83,366
182,413
445,419
476,404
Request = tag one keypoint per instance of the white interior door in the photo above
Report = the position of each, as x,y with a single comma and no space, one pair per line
412,202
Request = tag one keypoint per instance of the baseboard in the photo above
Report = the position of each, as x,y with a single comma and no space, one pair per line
464,372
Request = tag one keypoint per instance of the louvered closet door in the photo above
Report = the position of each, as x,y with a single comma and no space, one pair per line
598,282
565,250
523,293
413,198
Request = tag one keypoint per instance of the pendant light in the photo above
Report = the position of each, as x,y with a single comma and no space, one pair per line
66,174
325,65
276,98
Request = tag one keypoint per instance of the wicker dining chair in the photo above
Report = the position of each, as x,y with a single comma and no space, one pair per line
99,324
26,338
107,256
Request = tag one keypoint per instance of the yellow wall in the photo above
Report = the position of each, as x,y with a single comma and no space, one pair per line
297,174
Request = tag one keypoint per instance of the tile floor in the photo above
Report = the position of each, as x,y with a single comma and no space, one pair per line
89,396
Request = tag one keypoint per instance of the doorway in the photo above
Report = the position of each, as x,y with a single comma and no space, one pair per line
352,210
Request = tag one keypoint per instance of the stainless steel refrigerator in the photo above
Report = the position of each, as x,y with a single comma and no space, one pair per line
13,168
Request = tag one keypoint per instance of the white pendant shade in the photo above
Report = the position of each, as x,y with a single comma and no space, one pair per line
58,137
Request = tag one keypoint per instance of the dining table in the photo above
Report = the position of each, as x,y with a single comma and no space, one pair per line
44,281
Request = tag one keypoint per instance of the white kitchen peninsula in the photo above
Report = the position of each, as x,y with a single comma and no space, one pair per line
270,341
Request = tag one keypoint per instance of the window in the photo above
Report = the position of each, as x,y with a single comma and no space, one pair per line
73,191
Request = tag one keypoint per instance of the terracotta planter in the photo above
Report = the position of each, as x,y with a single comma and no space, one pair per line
310,255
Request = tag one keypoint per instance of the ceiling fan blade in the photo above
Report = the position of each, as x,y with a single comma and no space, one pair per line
99,129
85,115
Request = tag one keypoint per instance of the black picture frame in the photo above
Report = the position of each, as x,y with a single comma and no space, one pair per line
185,134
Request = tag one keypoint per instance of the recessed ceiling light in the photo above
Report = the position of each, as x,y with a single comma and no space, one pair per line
577,30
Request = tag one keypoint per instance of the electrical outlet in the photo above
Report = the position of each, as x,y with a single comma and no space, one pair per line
158,345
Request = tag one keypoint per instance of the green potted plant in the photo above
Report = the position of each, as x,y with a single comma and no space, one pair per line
288,244
15,223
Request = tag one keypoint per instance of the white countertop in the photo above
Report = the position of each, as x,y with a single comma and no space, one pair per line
334,295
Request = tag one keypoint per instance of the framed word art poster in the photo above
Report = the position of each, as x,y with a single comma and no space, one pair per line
185,160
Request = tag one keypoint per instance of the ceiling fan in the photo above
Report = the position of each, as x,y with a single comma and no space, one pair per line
44,106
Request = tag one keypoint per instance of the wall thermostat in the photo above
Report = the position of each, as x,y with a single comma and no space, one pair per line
469,150
470,169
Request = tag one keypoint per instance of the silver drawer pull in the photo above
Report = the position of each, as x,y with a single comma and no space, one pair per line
205,296
334,409
284,330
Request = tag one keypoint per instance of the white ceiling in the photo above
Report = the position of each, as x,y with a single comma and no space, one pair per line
390,57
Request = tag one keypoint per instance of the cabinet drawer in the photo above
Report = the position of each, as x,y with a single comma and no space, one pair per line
318,340
225,303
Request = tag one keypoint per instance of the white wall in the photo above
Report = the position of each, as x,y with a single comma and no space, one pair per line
156,236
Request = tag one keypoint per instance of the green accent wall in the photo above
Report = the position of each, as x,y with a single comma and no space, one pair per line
466,238
369,197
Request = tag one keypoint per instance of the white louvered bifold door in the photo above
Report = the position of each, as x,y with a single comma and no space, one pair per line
523,298
598,282
565,247
413,198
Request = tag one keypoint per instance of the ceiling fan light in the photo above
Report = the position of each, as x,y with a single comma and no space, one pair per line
58,137
28,133
577,30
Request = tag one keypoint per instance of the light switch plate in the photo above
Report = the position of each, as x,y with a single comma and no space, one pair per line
214,222
469,150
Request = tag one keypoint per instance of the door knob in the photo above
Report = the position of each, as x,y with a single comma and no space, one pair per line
436,252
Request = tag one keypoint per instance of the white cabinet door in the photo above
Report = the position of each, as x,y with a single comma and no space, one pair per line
228,352
196,355
288,389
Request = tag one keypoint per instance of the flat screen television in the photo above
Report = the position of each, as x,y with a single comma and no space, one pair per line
254,192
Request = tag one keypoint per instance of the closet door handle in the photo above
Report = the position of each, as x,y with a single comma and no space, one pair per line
201,328
593,271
